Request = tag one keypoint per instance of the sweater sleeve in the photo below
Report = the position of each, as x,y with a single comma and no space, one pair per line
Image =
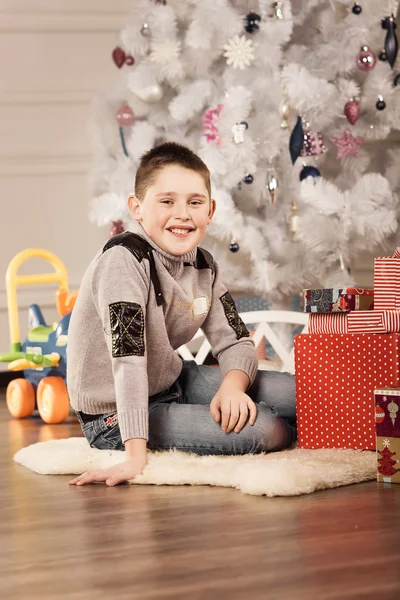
227,334
120,290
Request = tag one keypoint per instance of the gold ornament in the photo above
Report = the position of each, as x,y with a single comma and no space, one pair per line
393,408
284,112
271,185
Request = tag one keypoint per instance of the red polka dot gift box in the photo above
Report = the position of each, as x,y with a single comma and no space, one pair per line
336,375
387,425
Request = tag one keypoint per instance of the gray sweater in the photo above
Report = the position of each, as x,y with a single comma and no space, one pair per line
124,332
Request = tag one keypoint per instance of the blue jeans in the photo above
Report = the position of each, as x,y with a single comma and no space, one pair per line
180,417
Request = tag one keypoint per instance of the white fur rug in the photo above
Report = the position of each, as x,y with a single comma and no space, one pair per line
287,473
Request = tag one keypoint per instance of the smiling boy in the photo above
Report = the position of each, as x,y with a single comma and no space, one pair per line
143,297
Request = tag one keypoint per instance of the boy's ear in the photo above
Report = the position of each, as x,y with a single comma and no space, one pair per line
134,207
213,206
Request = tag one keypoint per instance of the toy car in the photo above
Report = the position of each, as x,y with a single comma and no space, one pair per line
42,356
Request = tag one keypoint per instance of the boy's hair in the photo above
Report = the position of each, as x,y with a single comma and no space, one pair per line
169,153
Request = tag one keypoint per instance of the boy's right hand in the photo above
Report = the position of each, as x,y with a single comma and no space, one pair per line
114,475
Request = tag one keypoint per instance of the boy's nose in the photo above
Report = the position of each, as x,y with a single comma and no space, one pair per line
182,213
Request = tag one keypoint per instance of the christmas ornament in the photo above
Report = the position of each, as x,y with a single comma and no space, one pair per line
238,132
239,52
352,111
347,144
396,80
209,120
393,408
234,247
248,179
296,140
165,51
356,10
271,185
379,414
145,30
125,116
391,42
382,55
118,56
284,112
294,221
117,227
150,94
381,104
366,59
278,10
309,171
252,21
313,144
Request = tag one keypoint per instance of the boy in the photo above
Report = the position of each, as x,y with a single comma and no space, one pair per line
143,297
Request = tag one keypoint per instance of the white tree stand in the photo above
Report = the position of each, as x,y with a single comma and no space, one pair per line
261,320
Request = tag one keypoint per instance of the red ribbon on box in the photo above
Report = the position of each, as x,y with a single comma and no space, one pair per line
387,282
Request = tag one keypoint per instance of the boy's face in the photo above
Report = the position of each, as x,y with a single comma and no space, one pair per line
175,211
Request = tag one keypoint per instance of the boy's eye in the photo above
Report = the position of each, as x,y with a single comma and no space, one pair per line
195,202
166,201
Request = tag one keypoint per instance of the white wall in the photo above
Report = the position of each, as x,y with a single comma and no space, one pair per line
55,55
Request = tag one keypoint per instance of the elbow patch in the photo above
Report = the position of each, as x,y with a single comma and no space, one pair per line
233,316
127,329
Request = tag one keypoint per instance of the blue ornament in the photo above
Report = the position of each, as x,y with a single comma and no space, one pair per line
309,172
296,141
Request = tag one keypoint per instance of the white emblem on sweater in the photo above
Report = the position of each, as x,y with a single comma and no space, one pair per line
200,306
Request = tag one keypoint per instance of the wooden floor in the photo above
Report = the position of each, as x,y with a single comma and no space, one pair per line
189,543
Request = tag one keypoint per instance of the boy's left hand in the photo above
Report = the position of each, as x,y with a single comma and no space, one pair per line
231,407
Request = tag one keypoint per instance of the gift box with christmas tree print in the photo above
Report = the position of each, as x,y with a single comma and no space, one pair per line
335,380
387,425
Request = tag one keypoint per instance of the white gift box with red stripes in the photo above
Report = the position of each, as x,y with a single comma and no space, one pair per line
387,282
357,321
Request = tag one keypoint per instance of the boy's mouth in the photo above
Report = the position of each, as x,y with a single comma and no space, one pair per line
180,231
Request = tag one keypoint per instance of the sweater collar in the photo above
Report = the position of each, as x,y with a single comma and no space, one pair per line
173,263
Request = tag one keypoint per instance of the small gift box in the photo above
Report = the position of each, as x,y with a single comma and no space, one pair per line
387,426
359,321
328,323
387,282
333,300
335,380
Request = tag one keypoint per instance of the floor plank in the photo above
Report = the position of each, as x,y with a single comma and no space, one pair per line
197,543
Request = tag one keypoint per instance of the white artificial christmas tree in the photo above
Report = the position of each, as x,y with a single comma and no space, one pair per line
251,87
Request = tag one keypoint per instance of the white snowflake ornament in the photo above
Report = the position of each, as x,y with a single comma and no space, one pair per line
165,51
386,443
239,52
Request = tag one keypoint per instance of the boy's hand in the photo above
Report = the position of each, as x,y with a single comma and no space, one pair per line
114,475
232,407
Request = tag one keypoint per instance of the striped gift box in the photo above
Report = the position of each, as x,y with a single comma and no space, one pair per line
328,323
387,282
363,321
391,320
366,321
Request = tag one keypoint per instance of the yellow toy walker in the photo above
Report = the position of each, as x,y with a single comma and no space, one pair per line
42,357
